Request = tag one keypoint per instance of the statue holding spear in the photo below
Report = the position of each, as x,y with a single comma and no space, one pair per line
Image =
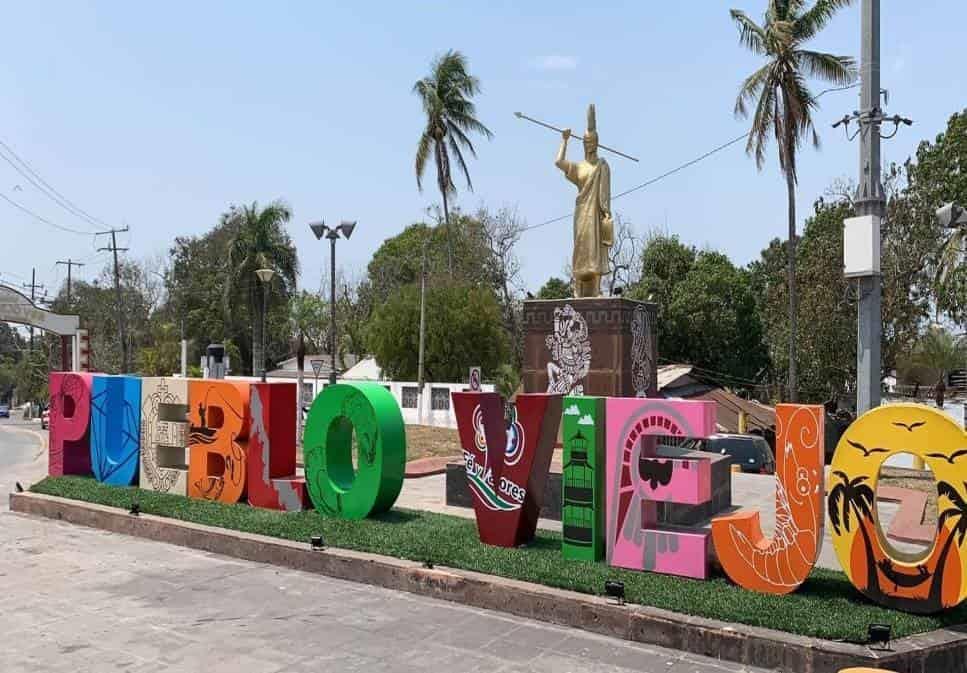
593,222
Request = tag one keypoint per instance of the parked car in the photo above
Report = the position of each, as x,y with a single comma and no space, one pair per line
750,452
4,411
45,419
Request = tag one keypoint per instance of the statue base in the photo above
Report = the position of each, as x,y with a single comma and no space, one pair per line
603,346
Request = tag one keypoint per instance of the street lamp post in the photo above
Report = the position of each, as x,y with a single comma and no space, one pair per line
265,276
321,229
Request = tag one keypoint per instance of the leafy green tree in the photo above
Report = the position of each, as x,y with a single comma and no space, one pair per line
31,376
259,241
937,177
940,352
784,105
463,328
555,288
446,94
711,321
8,378
665,261
11,343
163,356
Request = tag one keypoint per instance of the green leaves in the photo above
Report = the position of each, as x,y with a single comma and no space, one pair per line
463,328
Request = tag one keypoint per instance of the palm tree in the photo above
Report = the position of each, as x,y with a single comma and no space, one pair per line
940,352
450,115
853,497
259,241
958,512
784,104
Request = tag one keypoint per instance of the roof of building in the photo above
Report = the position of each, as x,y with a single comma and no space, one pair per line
364,370
727,408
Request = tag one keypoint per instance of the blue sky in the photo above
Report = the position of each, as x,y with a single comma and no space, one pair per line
160,115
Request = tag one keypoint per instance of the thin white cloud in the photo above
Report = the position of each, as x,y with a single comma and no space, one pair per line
554,62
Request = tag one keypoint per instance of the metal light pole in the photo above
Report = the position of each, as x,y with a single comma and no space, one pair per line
265,276
870,203
321,229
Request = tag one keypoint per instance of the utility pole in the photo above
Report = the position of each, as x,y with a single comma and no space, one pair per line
33,287
862,246
869,201
69,264
117,288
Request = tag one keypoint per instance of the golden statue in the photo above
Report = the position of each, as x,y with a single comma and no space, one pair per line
593,226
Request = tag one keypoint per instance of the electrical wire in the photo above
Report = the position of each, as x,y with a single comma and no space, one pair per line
44,219
683,166
45,188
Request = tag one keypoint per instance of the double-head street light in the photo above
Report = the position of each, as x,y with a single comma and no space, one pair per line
265,277
320,229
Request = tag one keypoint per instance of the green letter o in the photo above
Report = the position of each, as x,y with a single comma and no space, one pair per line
335,488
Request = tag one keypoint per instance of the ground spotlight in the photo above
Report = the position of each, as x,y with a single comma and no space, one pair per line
317,543
135,508
615,590
18,487
879,634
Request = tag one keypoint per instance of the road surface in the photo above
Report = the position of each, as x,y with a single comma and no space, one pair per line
81,600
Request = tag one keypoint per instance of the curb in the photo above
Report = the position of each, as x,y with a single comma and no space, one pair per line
940,650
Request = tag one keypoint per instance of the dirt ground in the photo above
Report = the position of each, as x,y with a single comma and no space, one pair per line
423,441
899,478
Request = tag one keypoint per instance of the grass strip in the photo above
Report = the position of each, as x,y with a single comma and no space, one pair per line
826,606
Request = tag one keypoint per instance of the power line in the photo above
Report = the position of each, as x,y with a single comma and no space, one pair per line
45,188
683,166
117,288
44,219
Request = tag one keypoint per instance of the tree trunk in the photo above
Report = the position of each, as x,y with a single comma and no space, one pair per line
793,384
446,223
936,585
872,579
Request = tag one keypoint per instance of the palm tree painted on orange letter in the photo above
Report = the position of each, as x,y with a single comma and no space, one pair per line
854,497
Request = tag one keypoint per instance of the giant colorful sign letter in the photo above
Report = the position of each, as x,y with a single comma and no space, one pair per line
217,439
582,490
70,415
934,581
636,480
164,435
368,412
272,482
115,428
780,565
507,463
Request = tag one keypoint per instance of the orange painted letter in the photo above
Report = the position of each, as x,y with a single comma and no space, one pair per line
217,439
780,565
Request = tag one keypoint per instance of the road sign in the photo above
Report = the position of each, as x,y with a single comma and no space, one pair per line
475,378
316,366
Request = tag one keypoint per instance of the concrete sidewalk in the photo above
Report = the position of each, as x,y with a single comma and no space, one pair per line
80,600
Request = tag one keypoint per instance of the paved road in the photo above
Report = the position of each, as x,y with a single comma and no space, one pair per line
79,600
23,455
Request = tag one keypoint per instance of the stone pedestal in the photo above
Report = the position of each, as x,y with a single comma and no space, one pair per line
605,346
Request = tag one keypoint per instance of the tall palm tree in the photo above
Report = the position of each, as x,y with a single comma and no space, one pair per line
958,513
784,104
853,497
450,116
259,241
940,352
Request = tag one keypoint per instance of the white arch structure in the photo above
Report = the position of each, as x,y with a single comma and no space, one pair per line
17,307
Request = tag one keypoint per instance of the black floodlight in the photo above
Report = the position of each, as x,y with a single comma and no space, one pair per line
879,634
615,590
317,543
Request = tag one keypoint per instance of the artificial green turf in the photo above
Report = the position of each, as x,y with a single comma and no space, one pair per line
826,606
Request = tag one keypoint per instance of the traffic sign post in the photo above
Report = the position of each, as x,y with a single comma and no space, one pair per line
475,379
316,369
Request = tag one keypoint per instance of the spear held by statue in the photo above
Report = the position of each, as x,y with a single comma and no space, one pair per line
521,115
